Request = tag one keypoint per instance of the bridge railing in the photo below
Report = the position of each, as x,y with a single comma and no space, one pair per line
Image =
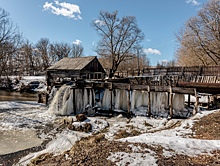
177,70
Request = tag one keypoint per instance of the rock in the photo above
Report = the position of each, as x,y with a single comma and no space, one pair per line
81,117
68,120
87,127
71,127
82,127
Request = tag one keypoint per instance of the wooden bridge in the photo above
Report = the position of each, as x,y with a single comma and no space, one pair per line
204,79
182,80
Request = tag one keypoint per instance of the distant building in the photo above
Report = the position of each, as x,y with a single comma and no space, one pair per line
86,67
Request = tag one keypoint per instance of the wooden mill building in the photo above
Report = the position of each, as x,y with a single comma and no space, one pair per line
86,67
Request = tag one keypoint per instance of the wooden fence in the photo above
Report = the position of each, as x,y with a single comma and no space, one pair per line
177,70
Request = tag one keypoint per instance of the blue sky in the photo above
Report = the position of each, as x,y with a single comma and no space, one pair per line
69,21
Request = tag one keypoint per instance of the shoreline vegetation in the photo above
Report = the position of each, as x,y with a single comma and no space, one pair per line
29,84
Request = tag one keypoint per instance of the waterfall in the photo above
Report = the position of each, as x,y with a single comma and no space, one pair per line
159,103
85,98
91,97
62,102
68,102
139,102
120,99
179,106
106,101
178,102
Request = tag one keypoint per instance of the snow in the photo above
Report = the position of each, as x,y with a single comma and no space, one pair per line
63,142
23,123
132,159
19,82
184,146
28,116
173,140
5,105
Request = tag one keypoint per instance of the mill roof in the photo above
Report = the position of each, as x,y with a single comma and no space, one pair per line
72,63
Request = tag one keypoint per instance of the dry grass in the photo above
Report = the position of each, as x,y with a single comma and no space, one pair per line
124,134
184,160
208,127
94,150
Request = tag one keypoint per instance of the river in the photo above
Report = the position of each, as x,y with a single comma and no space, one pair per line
16,96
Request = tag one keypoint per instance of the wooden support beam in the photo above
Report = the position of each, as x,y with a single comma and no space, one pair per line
111,100
124,86
99,91
149,102
196,103
74,101
93,103
171,101
129,102
188,100
182,90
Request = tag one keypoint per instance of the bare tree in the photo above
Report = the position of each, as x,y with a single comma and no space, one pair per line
60,50
27,58
77,50
141,57
10,38
118,38
200,38
43,51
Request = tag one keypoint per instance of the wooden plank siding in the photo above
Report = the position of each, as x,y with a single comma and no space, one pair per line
75,68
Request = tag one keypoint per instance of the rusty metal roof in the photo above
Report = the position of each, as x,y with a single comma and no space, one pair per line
72,63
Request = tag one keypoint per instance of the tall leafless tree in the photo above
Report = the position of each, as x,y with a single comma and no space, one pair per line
199,39
10,38
60,50
77,50
43,51
118,37
28,59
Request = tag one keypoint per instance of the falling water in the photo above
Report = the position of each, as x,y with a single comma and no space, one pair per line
159,104
63,104
106,101
179,107
120,99
59,101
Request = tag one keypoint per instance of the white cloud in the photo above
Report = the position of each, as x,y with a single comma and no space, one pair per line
64,9
99,22
77,42
151,51
194,2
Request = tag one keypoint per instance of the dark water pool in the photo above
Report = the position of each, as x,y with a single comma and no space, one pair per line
16,96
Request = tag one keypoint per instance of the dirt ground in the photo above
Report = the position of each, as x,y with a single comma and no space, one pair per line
94,150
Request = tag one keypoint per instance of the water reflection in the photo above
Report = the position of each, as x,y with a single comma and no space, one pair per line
16,96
